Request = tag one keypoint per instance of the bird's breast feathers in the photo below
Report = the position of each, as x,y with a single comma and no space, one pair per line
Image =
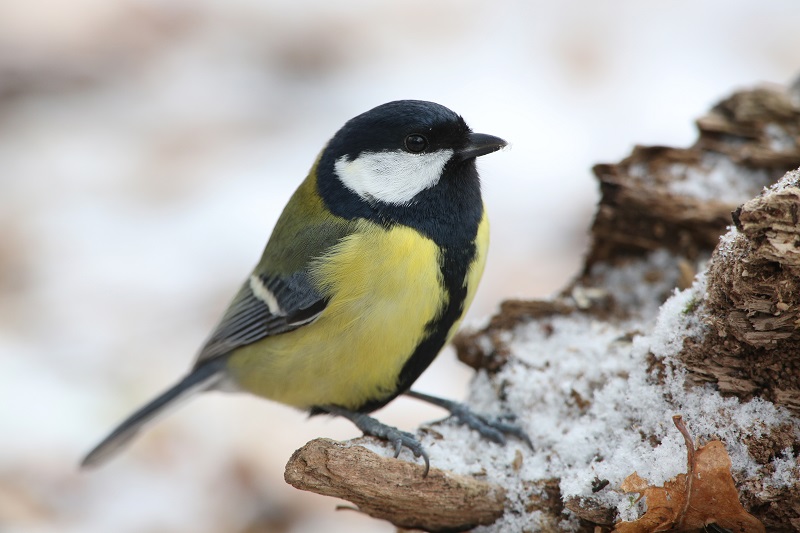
384,289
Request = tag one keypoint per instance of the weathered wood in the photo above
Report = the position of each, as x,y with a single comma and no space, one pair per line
753,303
394,490
644,205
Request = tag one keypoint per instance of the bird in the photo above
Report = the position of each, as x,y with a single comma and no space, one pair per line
367,274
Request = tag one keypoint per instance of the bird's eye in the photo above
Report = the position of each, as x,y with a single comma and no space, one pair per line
416,143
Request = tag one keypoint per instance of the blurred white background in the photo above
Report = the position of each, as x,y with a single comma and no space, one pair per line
147,148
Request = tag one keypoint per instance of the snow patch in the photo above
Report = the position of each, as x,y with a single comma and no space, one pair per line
718,178
582,390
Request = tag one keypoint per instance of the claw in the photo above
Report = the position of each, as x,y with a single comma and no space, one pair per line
398,446
374,428
518,432
493,430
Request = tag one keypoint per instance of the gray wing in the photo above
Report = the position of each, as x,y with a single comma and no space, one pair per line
264,306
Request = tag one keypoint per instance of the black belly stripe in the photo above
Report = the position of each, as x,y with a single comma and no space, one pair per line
454,264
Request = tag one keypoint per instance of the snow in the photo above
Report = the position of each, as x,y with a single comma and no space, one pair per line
791,179
718,178
725,247
637,285
557,360
779,139
785,474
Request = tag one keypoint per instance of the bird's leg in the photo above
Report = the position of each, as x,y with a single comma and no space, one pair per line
494,430
374,428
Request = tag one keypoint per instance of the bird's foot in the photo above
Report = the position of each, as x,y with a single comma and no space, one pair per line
374,428
492,429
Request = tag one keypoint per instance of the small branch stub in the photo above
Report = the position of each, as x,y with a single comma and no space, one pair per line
394,490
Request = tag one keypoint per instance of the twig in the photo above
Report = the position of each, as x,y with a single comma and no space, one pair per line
690,464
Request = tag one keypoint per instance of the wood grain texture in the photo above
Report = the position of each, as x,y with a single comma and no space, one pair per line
394,490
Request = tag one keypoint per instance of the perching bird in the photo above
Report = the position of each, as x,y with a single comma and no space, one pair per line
367,274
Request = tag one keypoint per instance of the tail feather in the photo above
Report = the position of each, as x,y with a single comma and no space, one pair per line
200,379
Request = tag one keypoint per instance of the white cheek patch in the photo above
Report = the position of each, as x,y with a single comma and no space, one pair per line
391,177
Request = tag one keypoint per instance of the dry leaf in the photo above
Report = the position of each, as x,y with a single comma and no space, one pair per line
705,495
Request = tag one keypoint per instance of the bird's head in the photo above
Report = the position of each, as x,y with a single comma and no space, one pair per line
401,154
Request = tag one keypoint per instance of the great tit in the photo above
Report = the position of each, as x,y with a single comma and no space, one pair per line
367,274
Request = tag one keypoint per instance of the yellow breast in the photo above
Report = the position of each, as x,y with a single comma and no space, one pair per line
384,288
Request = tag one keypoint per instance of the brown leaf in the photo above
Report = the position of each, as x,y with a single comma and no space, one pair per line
704,495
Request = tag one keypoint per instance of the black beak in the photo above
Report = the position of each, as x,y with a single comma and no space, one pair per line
479,144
